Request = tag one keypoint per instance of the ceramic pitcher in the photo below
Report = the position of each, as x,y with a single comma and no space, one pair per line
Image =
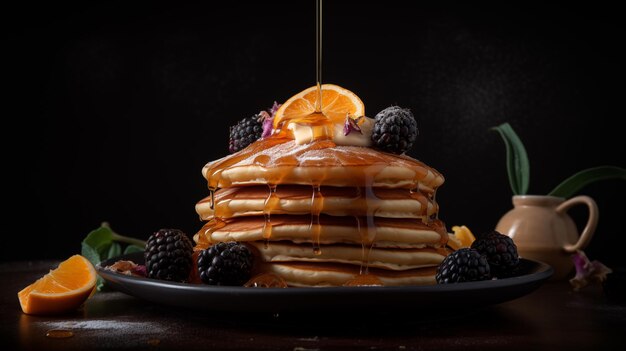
542,230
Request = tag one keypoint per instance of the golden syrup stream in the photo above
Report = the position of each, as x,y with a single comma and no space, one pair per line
318,54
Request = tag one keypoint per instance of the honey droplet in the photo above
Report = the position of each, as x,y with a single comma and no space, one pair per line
364,280
266,280
59,334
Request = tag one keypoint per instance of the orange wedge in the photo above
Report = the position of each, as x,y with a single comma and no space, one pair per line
64,289
464,235
336,103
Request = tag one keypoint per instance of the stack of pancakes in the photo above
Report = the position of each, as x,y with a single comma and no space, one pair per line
320,214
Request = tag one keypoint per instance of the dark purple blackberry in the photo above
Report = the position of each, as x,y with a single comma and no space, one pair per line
168,255
463,265
500,251
395,130
227,263
245,132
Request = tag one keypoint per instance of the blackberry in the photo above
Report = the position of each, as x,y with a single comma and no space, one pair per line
395,130
500,251
463,265
228,263
245,132
168,255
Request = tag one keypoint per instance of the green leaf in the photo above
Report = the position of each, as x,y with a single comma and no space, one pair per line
133,248
114,250
98,237
99,283
573,184
103,249
90,253
517,165
103,243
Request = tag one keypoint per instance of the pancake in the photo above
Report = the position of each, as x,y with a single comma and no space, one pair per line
281,161
386,232
391,259
326,274
337,201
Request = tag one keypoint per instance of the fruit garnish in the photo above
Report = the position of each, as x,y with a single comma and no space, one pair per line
464,265
464,236
500,251
453,242
336,103
168,255
227,263
245,132
266,123
64,289
587,271
395,130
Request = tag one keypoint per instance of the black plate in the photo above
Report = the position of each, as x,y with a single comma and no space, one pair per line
531,275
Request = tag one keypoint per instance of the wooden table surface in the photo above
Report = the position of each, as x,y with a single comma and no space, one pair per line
551,318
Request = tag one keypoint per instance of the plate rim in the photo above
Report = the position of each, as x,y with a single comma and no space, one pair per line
544,272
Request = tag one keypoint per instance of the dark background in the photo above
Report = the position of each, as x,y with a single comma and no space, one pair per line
115,107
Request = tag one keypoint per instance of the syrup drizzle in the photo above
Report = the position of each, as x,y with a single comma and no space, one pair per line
368,238
317,205
212,194
363,246
271,203
203,237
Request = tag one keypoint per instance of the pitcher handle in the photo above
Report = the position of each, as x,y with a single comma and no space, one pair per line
590,227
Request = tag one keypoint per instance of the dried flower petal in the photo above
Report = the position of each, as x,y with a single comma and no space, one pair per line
587,272
122,266
262,116
267,122
139,270
274,108
351,125
127,268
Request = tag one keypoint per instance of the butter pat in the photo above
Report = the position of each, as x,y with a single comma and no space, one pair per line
355,138
305,133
